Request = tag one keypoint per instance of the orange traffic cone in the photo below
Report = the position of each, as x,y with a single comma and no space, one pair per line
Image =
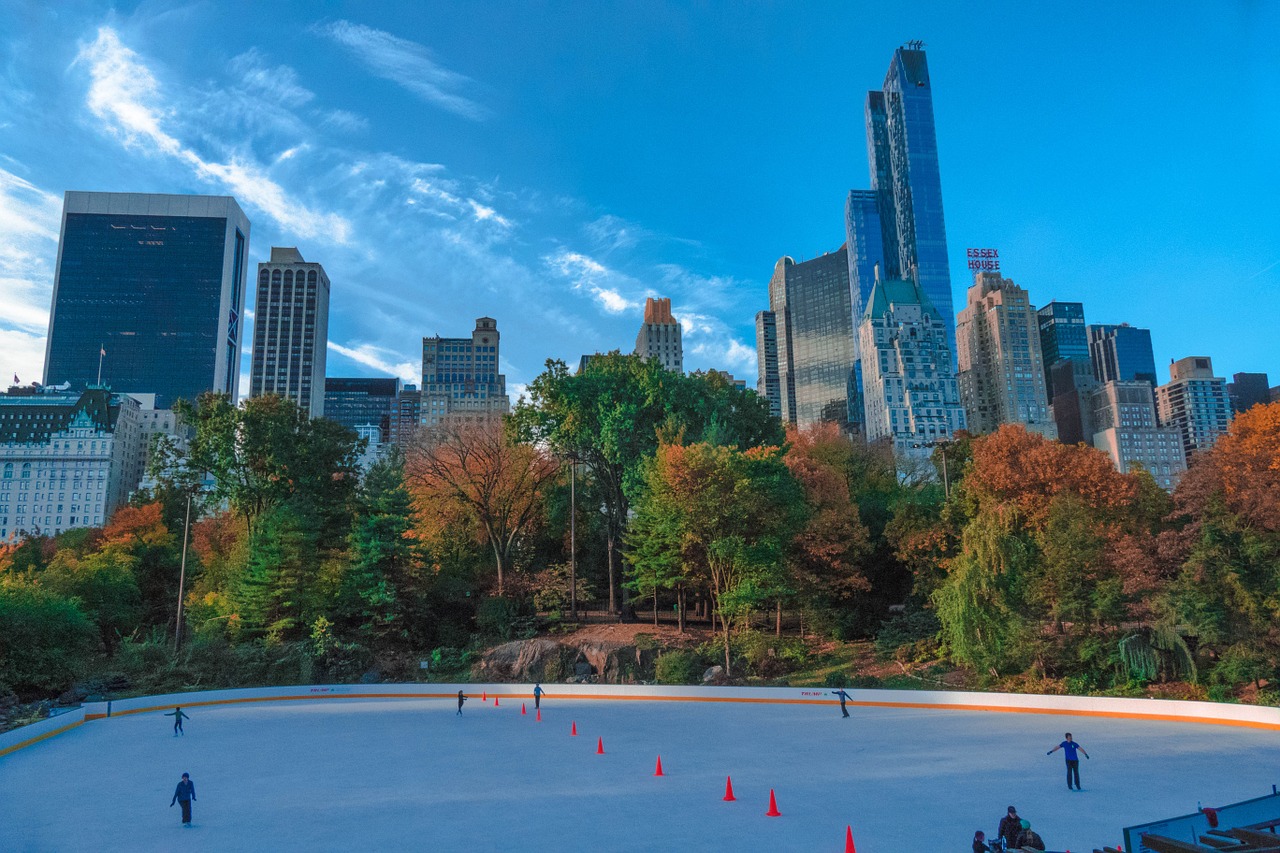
522,708
495,701
773,806
848,840
599,746
574,731
539,715
658,771
484,696
728,790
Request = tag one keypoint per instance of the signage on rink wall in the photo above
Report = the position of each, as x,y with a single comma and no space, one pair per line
983,260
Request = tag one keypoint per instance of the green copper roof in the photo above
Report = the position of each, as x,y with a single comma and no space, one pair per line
896,291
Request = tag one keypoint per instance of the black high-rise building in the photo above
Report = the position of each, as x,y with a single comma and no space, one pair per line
148,294
357,402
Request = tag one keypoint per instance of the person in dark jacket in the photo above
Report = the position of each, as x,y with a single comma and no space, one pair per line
537,696
184,795
844,697
461,699
1029,837
1010,827
980,842
178,717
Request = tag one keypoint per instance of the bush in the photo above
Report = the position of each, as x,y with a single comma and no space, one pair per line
504,618
677,667
46,639
906,630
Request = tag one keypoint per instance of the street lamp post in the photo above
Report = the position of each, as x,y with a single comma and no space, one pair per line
573,536
182,577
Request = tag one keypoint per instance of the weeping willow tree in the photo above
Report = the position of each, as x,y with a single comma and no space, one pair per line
981,603
1156,653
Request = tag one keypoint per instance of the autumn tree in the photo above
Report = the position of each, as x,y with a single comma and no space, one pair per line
480,474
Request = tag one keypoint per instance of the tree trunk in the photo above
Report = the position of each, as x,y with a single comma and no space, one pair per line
680,599
777,625
497,560
655,605
725,625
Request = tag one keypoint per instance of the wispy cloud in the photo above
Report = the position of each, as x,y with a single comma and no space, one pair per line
379,359
125,96
407,64
586,273
279,84
29,219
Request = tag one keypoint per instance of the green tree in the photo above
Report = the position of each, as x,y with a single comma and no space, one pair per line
103,583
45,638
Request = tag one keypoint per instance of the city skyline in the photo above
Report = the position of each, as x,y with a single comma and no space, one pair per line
418,173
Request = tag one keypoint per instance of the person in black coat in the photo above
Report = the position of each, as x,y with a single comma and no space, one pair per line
184,795
461,699
1029,837
1010,828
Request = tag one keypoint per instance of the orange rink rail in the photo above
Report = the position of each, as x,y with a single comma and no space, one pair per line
162,703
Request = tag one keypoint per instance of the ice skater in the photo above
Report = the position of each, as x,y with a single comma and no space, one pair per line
1010,828
537,696
1069,748
461,698
178,717
184,795
844,697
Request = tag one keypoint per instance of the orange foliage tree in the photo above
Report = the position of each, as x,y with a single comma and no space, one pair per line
476,474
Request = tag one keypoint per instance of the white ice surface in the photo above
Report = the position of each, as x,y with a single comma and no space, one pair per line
407,774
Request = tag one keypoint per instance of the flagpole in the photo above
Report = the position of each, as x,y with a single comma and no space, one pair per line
101,352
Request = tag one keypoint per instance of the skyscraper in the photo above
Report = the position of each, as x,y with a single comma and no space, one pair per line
899,223
1062,336
151,289
659,335
909,390
1123,421
1001,373
460,379
1121,353
356,402
1247,390
291,330
767,360
813,321
1195,403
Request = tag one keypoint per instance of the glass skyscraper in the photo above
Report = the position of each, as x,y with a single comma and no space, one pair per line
156,282
1122,353
359,401
813,322
902,213
1062,337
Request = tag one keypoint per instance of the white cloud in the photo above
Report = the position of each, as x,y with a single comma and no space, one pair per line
125,95
586,273
29,222
343,120
279,84
407,64
380,359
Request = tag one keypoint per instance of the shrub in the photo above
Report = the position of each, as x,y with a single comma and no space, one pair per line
46,639
905,630
501,617
677,667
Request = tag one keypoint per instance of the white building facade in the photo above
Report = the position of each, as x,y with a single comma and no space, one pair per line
66,460
910,395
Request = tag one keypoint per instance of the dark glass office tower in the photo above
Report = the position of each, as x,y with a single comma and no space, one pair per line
356,402
902,153
156,282
1122,353
813,322
767,361
1062,337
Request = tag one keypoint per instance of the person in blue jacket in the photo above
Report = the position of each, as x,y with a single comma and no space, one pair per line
537,696
844,697
184,795
1069,748
178,717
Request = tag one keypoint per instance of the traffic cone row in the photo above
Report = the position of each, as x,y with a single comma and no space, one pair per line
728,782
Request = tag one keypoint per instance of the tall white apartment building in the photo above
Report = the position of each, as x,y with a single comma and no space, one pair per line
1195,403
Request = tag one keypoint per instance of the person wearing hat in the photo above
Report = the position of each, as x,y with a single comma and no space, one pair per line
1029,837
185,795
1010,827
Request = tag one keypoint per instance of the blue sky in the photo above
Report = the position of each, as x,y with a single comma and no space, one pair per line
551,164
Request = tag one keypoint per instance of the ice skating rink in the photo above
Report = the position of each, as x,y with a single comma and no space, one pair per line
408,774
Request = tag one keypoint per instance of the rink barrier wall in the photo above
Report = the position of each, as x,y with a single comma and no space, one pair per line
1164,710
